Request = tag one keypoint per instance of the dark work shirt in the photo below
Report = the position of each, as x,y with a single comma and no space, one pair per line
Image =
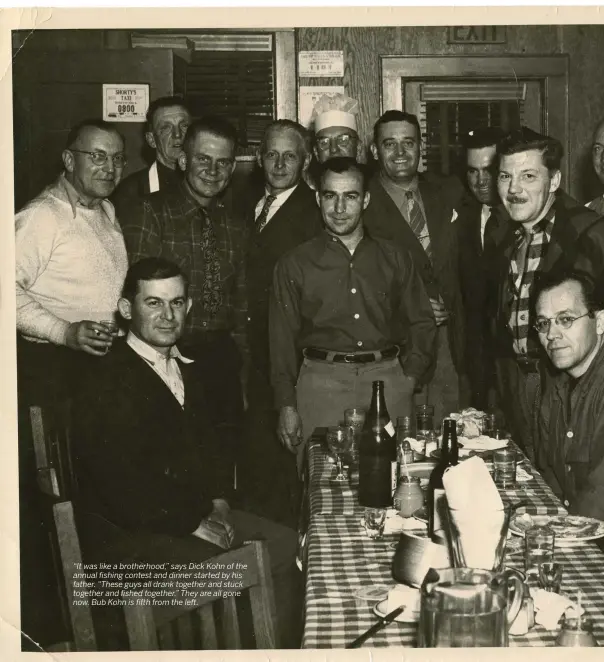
325,297
169,225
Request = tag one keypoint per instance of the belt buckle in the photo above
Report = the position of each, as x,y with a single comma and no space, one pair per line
349,358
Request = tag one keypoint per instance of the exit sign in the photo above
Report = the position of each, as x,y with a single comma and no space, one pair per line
477,34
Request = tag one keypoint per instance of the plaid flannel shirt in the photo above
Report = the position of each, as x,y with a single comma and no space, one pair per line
170,225
522,277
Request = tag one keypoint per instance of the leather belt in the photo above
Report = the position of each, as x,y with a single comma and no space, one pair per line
361,357
527,365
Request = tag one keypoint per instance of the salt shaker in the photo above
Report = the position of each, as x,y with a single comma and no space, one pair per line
526,616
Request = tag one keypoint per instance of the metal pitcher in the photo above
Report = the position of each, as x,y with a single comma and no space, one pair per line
467,608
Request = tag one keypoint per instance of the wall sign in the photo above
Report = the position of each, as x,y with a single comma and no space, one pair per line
125,102
308,97
477,34
329,64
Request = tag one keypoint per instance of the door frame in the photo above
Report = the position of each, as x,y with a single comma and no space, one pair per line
553,70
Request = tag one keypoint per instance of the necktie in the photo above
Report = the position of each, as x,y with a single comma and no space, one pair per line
212,288
262,219
417,222
489,226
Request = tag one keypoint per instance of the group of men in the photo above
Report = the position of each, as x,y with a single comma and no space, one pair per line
243,333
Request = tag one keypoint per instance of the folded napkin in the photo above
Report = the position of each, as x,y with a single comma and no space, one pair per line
549,607
395,523
482,443
409,597
522,476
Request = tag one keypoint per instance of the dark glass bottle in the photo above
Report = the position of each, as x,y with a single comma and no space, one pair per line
377,454
449,457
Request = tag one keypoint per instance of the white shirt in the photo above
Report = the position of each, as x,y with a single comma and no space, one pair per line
279,201
485,214
165,366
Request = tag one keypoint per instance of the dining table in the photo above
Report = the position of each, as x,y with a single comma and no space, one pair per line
340,559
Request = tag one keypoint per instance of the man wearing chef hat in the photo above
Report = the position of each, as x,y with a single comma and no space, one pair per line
334,123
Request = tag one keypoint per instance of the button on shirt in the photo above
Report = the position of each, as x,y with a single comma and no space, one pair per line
280,200
324,297
165,366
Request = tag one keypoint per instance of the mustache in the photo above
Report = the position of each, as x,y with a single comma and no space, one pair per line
515,199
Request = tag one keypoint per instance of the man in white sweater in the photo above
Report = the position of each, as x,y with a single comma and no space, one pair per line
70,256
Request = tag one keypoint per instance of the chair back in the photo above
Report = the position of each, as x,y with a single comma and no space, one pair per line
213,622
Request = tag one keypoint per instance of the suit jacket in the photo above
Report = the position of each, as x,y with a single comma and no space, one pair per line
577,242
297,221
473,270
440,196
143,462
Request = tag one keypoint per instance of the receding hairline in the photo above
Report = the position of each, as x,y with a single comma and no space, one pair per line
276,128
210,132
99,129
397,121
180,106
599,127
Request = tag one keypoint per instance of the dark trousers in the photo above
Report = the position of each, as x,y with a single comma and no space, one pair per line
218,367
517,394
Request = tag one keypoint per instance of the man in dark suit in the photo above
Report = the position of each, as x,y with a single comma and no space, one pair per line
154,481
168,119
475,226
416,210
551,231
284,217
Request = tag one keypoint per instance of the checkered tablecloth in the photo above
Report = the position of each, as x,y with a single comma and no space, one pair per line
341,559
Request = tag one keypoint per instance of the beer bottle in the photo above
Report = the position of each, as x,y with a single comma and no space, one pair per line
449,457
377,454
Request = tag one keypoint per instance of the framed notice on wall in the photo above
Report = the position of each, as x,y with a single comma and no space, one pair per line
125,102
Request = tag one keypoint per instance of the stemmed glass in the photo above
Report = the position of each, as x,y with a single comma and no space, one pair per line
339,440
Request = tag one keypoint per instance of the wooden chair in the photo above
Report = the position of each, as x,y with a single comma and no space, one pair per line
56,480
212,623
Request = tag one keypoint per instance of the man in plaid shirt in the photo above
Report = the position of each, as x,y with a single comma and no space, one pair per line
190,225
551,231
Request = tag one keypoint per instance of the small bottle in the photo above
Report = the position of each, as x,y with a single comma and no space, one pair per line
377,454
449,457
404,456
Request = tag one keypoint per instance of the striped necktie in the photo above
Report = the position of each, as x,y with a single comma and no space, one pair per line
417,222
262,219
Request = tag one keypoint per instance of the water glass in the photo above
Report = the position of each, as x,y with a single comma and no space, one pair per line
504,467
538,548
489,425
424,419
355,418
374,520
404,428
550,576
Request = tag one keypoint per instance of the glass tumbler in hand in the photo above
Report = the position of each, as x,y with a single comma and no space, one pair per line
339,440
111,328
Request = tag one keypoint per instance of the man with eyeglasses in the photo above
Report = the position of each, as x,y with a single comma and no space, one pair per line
190,225
550,231
168,119
569,320
416,210
335,126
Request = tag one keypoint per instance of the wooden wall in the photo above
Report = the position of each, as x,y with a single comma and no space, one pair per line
584,45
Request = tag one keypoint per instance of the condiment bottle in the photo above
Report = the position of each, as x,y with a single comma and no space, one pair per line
408,496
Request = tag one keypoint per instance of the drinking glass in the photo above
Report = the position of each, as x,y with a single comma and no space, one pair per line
538,548
374,520
354,418
424,419
112,329
489,425
550,576
504,467
339,440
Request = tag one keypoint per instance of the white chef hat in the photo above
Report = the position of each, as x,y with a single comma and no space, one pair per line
335,110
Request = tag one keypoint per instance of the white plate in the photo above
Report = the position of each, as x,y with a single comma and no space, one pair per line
520,523
406,617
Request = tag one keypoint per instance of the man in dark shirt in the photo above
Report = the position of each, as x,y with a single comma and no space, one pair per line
168,119
354,307
154,483
190,225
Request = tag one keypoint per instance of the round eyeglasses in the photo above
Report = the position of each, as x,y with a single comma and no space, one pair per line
100,158
344,140
564,321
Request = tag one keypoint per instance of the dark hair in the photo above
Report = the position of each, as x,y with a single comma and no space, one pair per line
77,130
591,292
150,268
164,102
285,124
395,116
484,136
339,165
213,124
524,139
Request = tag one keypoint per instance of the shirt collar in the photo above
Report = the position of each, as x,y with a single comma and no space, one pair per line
400,188
214,202
280,198
546,224
145,351
73,197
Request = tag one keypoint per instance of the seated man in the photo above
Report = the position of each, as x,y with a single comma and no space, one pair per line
570,435
154,485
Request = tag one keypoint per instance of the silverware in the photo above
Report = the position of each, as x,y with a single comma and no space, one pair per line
377,627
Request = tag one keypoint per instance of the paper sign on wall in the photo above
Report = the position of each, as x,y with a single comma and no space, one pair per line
320,63
308,97
124,102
